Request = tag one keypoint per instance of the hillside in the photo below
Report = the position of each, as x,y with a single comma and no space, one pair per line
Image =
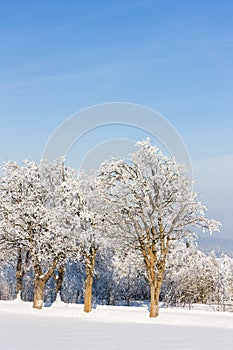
219,245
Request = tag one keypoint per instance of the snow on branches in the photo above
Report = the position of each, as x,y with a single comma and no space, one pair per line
51,213
151,204
39,208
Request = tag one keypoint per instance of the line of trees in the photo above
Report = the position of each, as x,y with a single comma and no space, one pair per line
191,277
195,277
50,215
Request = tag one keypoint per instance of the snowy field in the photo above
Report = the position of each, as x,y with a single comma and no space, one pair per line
65,326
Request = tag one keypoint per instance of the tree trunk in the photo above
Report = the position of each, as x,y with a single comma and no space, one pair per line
20,269
40,281
90,264
59,278
88,292
154,309
39,286
155,289
19,272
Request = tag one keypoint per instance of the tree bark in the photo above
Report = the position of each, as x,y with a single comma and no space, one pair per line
39,286
19,272
59,278
88,292
40,281
90,264
155,288
154,312
20,269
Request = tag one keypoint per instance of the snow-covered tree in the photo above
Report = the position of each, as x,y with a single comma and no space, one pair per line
191,276
8,284
129,276
91,238
39,207
150,205
223,292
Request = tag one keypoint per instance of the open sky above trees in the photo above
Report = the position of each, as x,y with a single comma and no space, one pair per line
173,56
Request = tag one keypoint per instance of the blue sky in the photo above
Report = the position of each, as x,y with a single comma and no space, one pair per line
175,56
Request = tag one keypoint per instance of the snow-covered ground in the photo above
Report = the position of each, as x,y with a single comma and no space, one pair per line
64,326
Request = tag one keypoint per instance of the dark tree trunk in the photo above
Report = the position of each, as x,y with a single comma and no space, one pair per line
20,269
19,272
59,278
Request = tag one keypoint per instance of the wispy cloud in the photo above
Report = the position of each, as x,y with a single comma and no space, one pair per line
79,74
103,13
95,73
